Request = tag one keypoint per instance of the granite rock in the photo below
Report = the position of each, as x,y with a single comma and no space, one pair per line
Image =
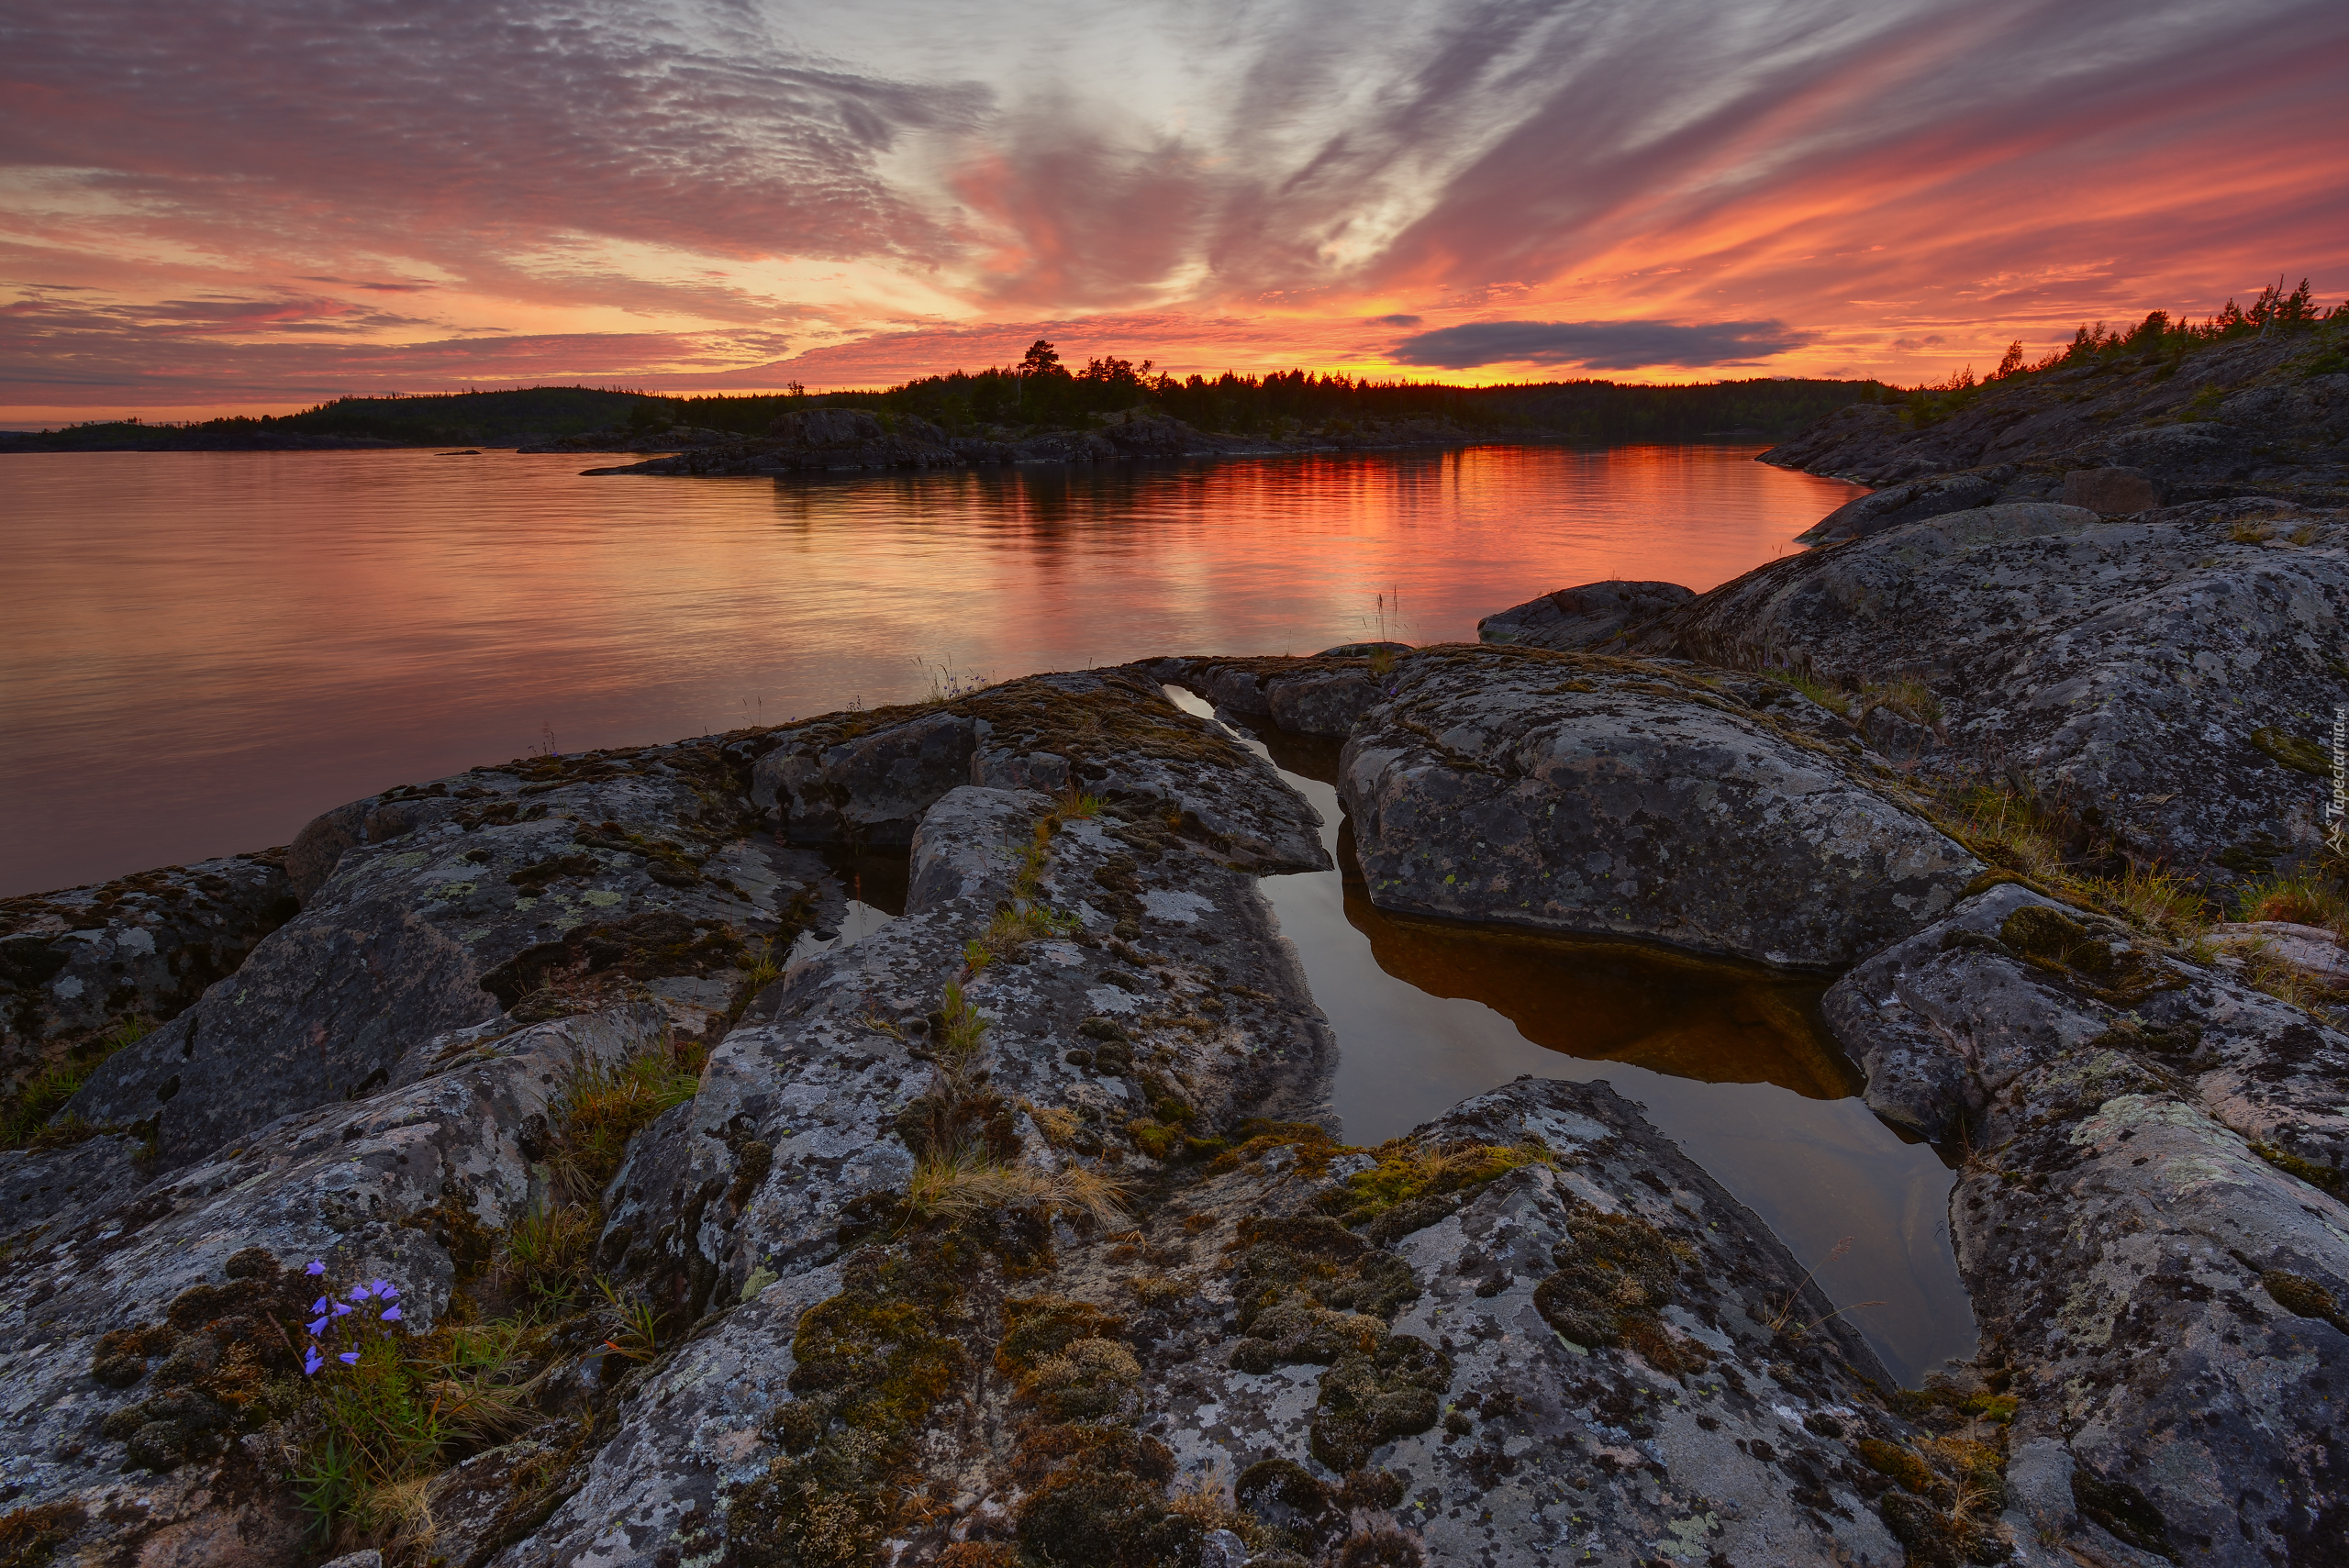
2167,678
2147,1219
1587,617
1600,796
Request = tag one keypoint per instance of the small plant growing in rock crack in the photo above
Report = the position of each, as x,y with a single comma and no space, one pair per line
603,1105
637,1337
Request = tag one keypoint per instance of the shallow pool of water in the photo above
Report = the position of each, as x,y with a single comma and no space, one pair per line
1732,1063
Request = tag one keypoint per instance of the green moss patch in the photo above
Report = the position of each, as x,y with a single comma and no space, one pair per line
1405,1191
1373,1397
872,1362
1613,1274
2058,944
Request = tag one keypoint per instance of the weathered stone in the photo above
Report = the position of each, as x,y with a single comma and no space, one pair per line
2311,951
2110,492
1607,797
2146,675
1686,1434
85,968
371,1188
871,788
868,778
2155,1153
1874,513
1327,705
1571,619
543,886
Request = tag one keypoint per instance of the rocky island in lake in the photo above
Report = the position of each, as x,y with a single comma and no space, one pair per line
521,1168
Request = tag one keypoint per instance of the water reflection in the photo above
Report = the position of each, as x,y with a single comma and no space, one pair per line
203,649
1728,1062
1616,1002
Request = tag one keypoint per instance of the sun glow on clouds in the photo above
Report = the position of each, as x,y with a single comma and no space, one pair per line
272,203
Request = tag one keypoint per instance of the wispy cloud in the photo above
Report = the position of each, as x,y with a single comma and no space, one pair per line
1376,185
1598,345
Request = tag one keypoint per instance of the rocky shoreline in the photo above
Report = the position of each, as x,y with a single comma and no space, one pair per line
1017,1228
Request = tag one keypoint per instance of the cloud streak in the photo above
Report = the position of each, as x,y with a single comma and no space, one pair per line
699,188
1597,345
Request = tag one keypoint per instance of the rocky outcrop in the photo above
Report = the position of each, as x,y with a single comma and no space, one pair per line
1323,696
868,778
86,969
532,890
1582,618
2172,673
1600,796
1911,503
138,1326
2259,416
2149,1219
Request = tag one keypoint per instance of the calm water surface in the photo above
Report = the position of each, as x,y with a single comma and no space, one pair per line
202,651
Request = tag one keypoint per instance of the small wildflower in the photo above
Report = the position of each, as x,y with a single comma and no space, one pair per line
319,1305
311,1361
348,1358
359,1292
315,1267
319,1325
388,1293
392,1314
340,1310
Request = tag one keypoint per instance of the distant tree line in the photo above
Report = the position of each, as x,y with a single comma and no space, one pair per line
1041,393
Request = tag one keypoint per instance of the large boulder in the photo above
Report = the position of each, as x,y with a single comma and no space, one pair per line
2169,678
2148,1217
1600,796
1586,616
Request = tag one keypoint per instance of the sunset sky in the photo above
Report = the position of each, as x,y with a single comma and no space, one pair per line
216,206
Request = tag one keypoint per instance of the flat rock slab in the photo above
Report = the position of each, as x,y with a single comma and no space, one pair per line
2175,673
1598,797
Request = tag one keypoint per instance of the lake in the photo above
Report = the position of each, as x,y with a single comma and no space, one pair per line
205,649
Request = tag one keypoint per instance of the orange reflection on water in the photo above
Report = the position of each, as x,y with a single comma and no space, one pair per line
203,649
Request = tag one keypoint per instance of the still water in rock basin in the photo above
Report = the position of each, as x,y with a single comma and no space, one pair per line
201,650
1730,1062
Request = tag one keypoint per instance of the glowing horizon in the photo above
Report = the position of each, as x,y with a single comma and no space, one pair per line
264,207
